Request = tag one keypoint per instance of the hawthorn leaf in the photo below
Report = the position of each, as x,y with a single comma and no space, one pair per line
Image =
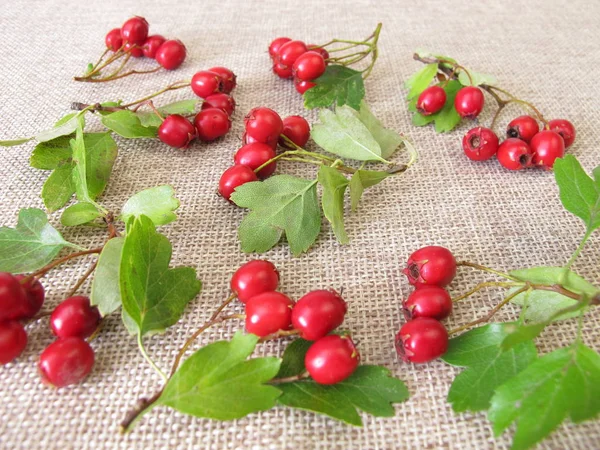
388,140
445,119
58,188
477,79
334,187
14,142
106,292
127,124
79,213
65,126
101,153
80,166
361,180
339,86
52,154
157,203
420,80
425,54
292,363
548,275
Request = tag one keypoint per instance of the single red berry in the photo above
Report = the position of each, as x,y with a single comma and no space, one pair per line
268,313
66,361
290,51
331,359
421,340
75,317
315,48
228,78
135,50
303,86
35,297
428,301
523,127
282,71
309,66
135,30
13,297
152,44
176,131
565,129
431,100
171,54
514,154
233,177
469,102
113,39
254,278
318,313
212,123
297,130
432,265
264,125
205,83
276,45
246,139
254,156
480,144
220,101
547,146
13,340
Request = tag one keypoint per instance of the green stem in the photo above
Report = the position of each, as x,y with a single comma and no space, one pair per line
578,251
486,269
149,360
484,285
171,87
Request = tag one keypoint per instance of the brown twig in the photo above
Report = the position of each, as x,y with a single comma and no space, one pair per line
84,277
299,377
57,262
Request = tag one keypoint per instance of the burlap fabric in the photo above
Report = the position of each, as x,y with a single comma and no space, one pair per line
544,51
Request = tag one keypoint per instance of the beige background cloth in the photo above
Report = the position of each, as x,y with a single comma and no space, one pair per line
544,51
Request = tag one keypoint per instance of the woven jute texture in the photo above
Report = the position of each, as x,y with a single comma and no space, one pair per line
544,51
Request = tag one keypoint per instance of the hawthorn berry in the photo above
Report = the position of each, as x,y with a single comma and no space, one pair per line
264,125
220,101
152,44
523,127
303,86
176,131
428,301
75,316
297,130
134,49
565,129
35,297
135,30
480,144
469,102
171,54
66,361
514,154
421,340
318,313
212,123
12,297
254,278
309,66
228,78
254,156
246,139
268,313
113,39
547,146
432,265
320,50
276,45
13,340
289,52
282,71
331,359
431,100
233,177
205,83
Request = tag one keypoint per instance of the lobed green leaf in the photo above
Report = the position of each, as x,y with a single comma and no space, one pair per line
334,187
339,86
106,292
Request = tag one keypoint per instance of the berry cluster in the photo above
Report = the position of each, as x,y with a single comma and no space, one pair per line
468,102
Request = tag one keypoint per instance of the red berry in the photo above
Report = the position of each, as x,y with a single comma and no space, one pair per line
469,102
303,86
171,54
276,45
428,301
480,144
432,265
113,39
205,83
264,125
13,340
309,66
546,147
176,131
297,130
75,317
523,127
320,50
152,44
135,30
282,71
212,123
421,340
514,154
268,313
431,100
220,101
233,177
227,77
565,129
290,51
331,359
246,139
135,50
254,278
13,297
254,156
35,297
318,313
66,361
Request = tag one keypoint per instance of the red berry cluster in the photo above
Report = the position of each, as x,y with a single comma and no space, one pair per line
294,59
331,358
468,102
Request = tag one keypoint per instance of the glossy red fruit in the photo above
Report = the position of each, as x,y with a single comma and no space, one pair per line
228,78
276,45
152,44
113,39
66,361
254,278
514,154
431,265
290,51
318,313
546,147
171,54
268,313
254,156
220,101
135,30
332,359
480,144
13,297
212,123
421,340
282,71
233,177
13,340
309,66
176,131
428,301
135,50
205,83
431,100
264,125
246,139
75,317
320,50
523,127
469,102
565,129
303,86
297,130
35,297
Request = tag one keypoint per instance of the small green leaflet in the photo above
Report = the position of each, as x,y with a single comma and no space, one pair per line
52,154
420,80
127,124
362,179
339,86
487,365
388,140
79,213
65,126
80,166
218,382
106,293
477,78
447,118
152,294
14,142
292,363
31,245
334,186
563,383
280,204
58,188
157,203
425,54
184,107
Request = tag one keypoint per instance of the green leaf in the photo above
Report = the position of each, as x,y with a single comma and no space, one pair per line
14,142
488,365
157,203
445,119
361,180
370,388
339,86
31,245
420,80
52,154
388,140
556,275
101,153
65,126
152,294
180,107
425,54
280,204
80,166
477,78
563,383
79,213
127,124
334,186
58,188
292,363
517,334
217,381
106,293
